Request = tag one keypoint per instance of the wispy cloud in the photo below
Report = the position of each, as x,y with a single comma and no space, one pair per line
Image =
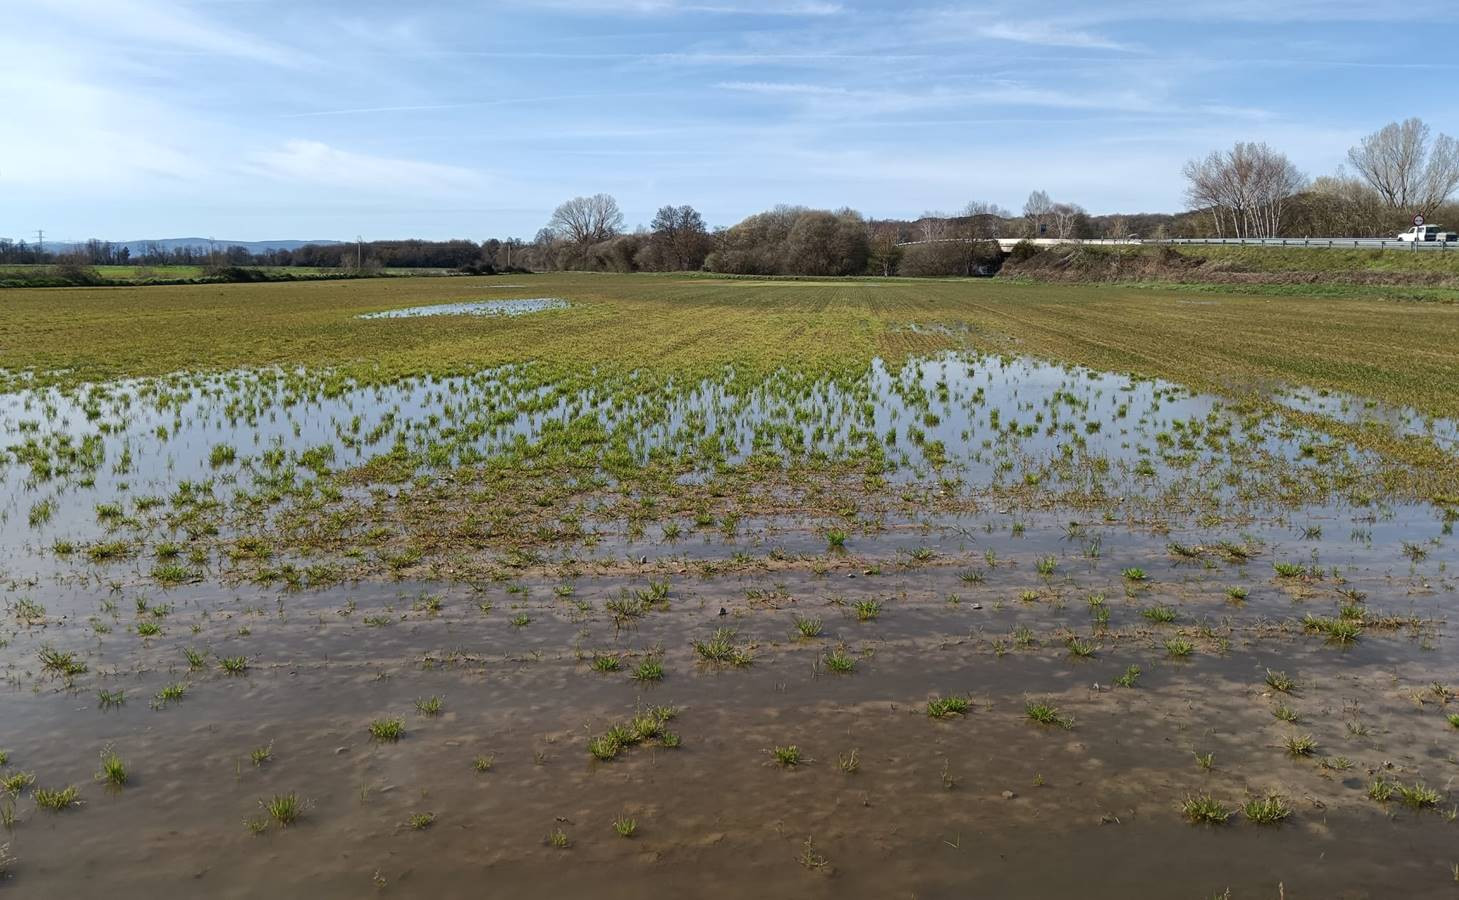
148,117
663,7
1049,34
145,23
63,130
788,88
999,92
1264,12
317,163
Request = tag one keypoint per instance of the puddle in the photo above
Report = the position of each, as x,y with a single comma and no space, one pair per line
504,761
474,308
1401,420
81,464
989,603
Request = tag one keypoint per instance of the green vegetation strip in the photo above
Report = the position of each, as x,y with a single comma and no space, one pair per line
690,326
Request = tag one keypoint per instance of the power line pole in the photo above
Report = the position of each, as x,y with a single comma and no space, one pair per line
359,250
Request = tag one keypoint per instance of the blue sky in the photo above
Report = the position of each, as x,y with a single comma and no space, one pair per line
254,119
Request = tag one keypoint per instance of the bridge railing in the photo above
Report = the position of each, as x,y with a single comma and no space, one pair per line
1337,243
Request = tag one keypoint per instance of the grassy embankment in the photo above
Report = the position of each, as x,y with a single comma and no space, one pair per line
1288,271
671,331
20,276
1402,354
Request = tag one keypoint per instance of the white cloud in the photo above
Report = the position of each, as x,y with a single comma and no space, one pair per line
1264,11
671,7
317,163
62,129
787,88
130,117
1049,34
145,23
844,101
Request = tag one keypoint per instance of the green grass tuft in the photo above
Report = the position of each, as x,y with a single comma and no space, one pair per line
1203,809
387,729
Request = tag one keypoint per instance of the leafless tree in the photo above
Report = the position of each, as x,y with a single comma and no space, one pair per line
1246,189
793,240
933,225
1343,205
1117,228
884,252
1407,170
680,240
1037,212
826,243
985,220
1066,216
587,220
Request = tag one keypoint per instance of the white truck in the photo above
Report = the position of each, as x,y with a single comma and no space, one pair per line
1424,233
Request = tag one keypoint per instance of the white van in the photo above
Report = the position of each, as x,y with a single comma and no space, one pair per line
1428,233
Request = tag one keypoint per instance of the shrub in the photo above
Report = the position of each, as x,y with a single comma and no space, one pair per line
1023,250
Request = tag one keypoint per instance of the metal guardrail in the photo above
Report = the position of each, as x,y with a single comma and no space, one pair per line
1338,243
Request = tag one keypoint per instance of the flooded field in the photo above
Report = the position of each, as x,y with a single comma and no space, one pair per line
474,308
957,621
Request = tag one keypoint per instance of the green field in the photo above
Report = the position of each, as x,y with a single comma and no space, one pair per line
1330,260
1400,353
17,276
831,582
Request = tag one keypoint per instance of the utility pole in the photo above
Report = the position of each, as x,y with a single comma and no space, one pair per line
359,251
40,240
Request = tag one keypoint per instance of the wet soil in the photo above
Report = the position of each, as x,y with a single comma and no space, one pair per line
988,803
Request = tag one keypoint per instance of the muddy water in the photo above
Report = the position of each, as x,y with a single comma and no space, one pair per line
986,605
107,462
1093,811
1357,410
474,308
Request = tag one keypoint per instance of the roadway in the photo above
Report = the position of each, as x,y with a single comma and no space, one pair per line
1006,244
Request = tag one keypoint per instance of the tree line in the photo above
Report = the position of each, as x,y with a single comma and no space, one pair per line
1400,171
490,255
1249,190
586,233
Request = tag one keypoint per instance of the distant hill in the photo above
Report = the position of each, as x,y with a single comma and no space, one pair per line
197,243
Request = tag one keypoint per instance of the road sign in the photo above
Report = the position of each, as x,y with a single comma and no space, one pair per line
1418,219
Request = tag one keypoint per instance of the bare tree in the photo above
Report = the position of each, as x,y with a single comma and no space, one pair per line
587,220
1037,210
884,250
1245,189
1066,216
1408,172
933,225
985,220
793,240
680,238
1205,188
1342,204
827,243
967,243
